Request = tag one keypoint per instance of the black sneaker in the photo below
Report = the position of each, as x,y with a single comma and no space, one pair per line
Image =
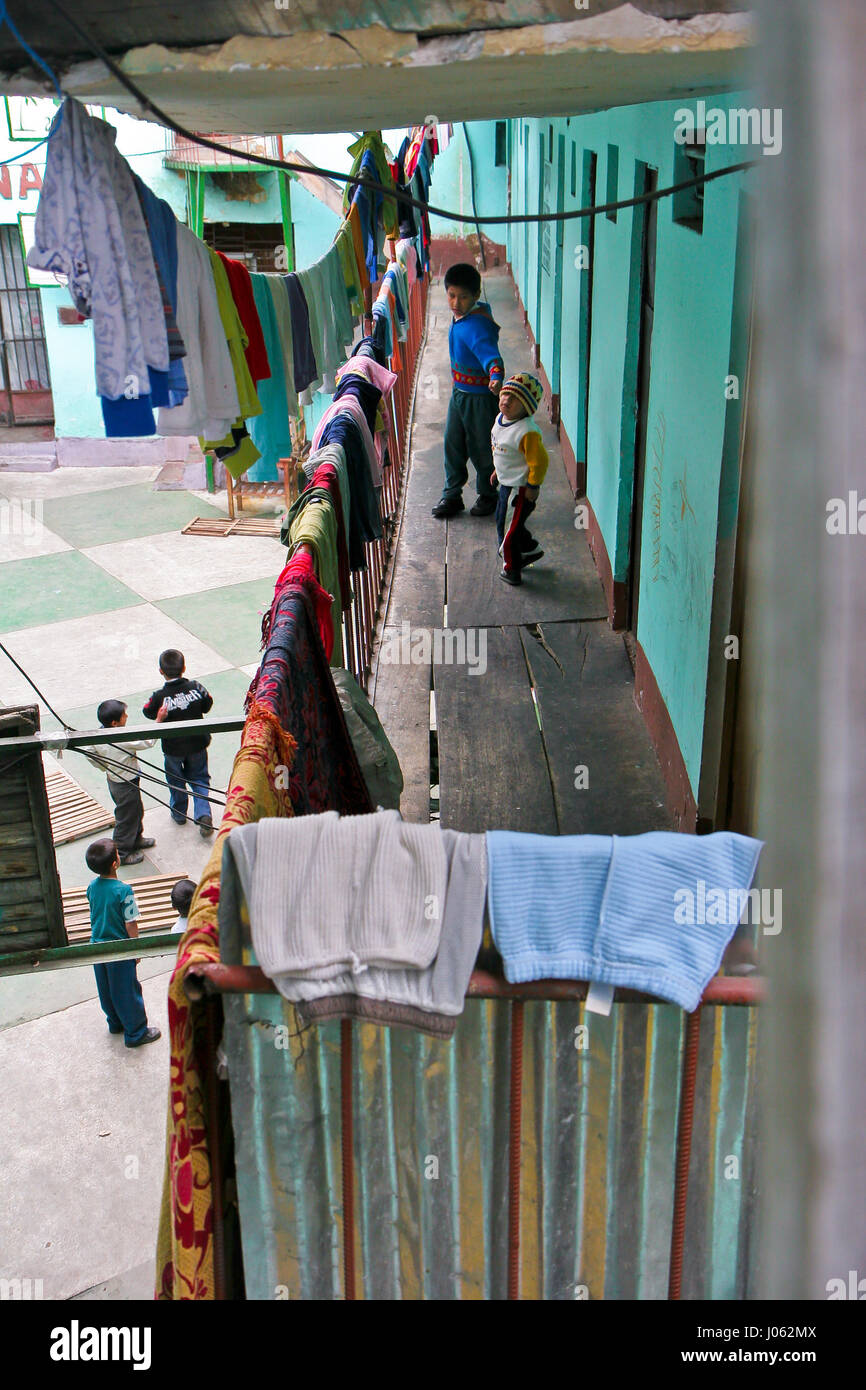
528,557
448,506
484,506
150,1036
205,825
134,858
510,576
145,843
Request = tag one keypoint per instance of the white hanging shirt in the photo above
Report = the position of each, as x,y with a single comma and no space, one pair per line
212,406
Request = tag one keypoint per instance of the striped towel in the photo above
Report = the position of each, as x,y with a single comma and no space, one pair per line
639,911
333,893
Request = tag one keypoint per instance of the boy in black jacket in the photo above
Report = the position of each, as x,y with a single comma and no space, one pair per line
185,756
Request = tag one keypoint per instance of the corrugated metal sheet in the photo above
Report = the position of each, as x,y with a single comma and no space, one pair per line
431,1154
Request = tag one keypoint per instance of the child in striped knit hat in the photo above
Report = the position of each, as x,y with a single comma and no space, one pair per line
520,463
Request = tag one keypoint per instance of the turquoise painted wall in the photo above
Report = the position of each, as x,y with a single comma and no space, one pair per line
690,350
451,185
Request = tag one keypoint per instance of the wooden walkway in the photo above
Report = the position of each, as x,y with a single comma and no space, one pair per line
543,735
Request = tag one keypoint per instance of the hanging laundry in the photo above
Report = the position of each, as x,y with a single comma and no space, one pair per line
330,326
316,527
301,570
375,412
429,999
378,761
371,161
89,227
356,229
270,431
603,907
212,405
375,896
185,1251
241,289
364,520
351,278
350,405
278,290
236,337
305,369
327,478
368,368
294,685
333,458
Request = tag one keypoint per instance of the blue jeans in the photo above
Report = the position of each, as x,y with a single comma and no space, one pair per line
190,769
120,996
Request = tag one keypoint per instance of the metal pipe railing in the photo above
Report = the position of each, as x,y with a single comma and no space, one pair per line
209,980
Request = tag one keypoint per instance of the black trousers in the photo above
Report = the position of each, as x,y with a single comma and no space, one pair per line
128,814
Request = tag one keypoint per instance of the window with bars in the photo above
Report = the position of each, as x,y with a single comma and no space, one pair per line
24,352
687,207
254,243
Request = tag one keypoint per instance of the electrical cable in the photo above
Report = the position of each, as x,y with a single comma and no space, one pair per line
71,730
153,797
31,53
48,705
96,752
403,198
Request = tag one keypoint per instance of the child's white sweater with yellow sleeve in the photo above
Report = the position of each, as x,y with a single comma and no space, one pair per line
519,455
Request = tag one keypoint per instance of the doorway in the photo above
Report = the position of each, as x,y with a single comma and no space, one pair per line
644,326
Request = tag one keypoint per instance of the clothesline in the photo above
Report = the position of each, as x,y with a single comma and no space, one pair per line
184,331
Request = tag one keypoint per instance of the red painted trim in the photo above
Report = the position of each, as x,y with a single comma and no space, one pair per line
648,698
249,979
684,1152
614,590
515,1118
575,472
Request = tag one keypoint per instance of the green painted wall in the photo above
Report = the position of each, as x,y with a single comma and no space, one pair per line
690,351
451,185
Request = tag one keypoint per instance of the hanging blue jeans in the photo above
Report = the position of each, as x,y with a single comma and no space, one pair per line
189,769
120,997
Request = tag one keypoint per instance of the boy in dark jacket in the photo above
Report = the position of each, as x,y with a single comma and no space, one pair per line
476,372
185,756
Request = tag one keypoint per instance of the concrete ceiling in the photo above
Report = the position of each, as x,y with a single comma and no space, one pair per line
251,67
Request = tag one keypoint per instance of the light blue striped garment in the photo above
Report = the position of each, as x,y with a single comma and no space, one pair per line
623,910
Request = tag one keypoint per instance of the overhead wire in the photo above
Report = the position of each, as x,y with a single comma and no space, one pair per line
69,728
361,180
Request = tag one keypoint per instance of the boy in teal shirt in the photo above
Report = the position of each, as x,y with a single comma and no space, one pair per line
114,917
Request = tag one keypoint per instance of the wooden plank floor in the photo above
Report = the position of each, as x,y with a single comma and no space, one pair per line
492,768
73,811
585,690
152,894
557,691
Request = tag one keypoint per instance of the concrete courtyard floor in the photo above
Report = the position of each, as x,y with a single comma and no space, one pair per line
96,580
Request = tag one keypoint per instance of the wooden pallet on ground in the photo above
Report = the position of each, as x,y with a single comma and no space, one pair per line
152,893
242,526
72,810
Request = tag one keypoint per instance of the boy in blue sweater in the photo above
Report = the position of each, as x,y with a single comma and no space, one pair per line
114,917
477,373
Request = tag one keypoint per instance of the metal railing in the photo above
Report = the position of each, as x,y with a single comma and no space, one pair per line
359,623
208,982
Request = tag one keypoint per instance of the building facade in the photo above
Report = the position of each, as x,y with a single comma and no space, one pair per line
638,324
